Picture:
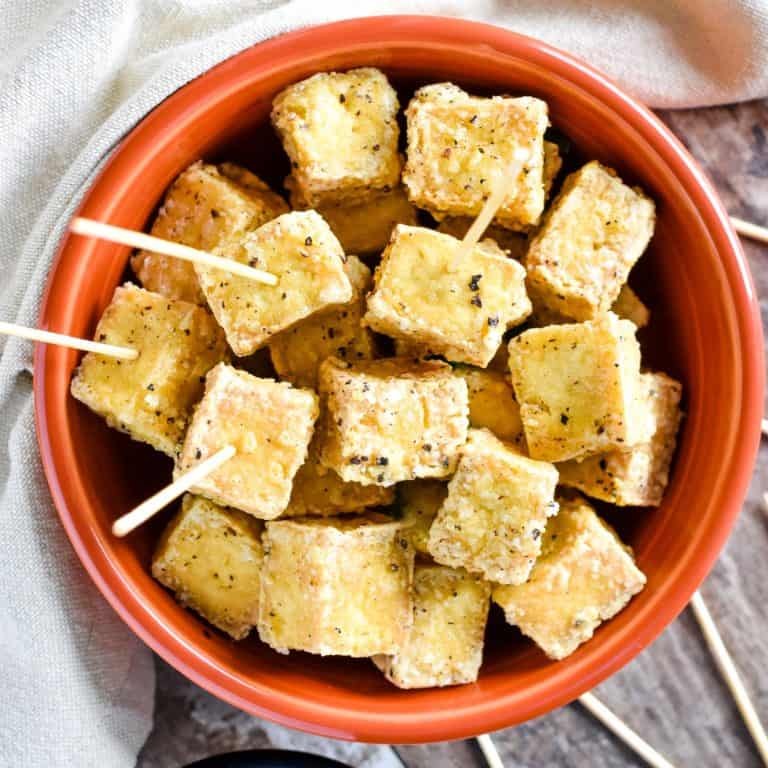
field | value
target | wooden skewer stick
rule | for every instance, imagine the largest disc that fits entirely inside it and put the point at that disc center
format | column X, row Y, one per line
column 764, row 427
column 91, row 228
column 139, row 515
column 490, row 753
column 48, row 337
column 730, row 674
column 501, row 191
column 620, row 729
column 750, row 230
column 765, row 502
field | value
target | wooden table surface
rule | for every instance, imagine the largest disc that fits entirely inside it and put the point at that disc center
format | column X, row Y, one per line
column 671, row 694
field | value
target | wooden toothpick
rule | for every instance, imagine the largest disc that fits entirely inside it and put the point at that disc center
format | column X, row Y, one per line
column 750, row 230
column 147, row 509
column 490, row 753
column 764, row 427
column 91, row 228
column 62, row 340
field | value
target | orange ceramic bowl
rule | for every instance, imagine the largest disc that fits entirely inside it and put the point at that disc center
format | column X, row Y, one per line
column 705, row 330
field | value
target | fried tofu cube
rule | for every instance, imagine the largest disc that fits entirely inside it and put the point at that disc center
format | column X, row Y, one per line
column 392, row 420
column 150, row 398
column 459, row 146
column 445, row 644
column 364, row 226
column 595, row 231
column 204, row 207
column 297, row 353
column 210, row 557
column 270, row 425
column 553, row 162
column 638, row 476
column 305, row 256
column 338, row 586
column 492, row 404
column 584, row 576
column 497, row 507
column 578, row 386
column 419, row 501
column 457, row 310
column 629, row 306
column 340, row 131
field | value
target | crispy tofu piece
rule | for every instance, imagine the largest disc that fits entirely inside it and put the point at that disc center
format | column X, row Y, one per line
column 419, row 501
column 269, row 423
column 204, row 207
column 297, row 352
column 300, row 249
column 392, row 420
column 512, row 243
column 584, row 576
column 337, row 586
column 150, row 398
column 459, row 145
column 445, row 644
column 340, row 131
column 578, row 387
column 497, row 507
column 457, row 310
column 638, row 476
column 363, row 227
column 553, row 162
column 595, row 231
column 210, row 557
column 629, row 306
column 492, row 404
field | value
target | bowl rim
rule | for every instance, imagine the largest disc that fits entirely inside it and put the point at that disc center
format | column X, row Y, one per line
column 561, row 687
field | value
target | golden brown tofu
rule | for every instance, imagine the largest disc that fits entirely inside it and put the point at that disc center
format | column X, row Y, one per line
column 497, row 507
column 297, row 353
column 335, row 586
column 340, row 131
column 460, row 145
column 305, row 256
column 392, row 420
column 584, row 576
column 638, row 476
column 204, row 207
column 492, row 404
column 445, row 644
column 595, row 231
column 419, row 501
column 629, row 306
column 150, row 398
column 552, row 165
column 210, row 557
column 578, row 387
column 457, row 310
column 512, row 243
column 270, row 425
column 363, row 227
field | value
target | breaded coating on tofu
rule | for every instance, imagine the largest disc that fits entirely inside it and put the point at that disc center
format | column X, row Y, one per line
column 629, row 306
column 419, row 501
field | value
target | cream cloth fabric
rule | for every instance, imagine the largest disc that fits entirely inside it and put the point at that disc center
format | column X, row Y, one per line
column 75, row 76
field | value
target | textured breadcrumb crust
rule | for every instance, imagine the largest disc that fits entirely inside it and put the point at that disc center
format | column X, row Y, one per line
column 210, row 557
column 150, row 398
column 269, row 423
column 497, row 507
column 584, row 576
column 204, row 207
column 578, row 388
column 297, row 352
column 458, row 310
column 594, row 232
column 308, row 261
column 459, row 146
column 335, row 586
column 392, row 420
column 340, row 132
column 418, row 502
column 638, row 476
column 445, row 644
column 629, row 306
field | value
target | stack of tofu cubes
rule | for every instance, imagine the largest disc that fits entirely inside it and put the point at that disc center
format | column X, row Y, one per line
column 377, row 503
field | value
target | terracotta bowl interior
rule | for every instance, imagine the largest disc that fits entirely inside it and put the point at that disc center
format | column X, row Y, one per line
column 702, row 332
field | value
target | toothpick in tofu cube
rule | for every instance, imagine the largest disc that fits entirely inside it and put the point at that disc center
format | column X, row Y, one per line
column 211, row 557
column 512, row 243
column 497, row 507
column 150, row 398
column 584, row 576
column 269, row 423
column 419, row 501
column 337, row 586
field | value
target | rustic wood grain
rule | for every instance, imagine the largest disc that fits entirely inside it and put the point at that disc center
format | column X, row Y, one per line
column 671, row 694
